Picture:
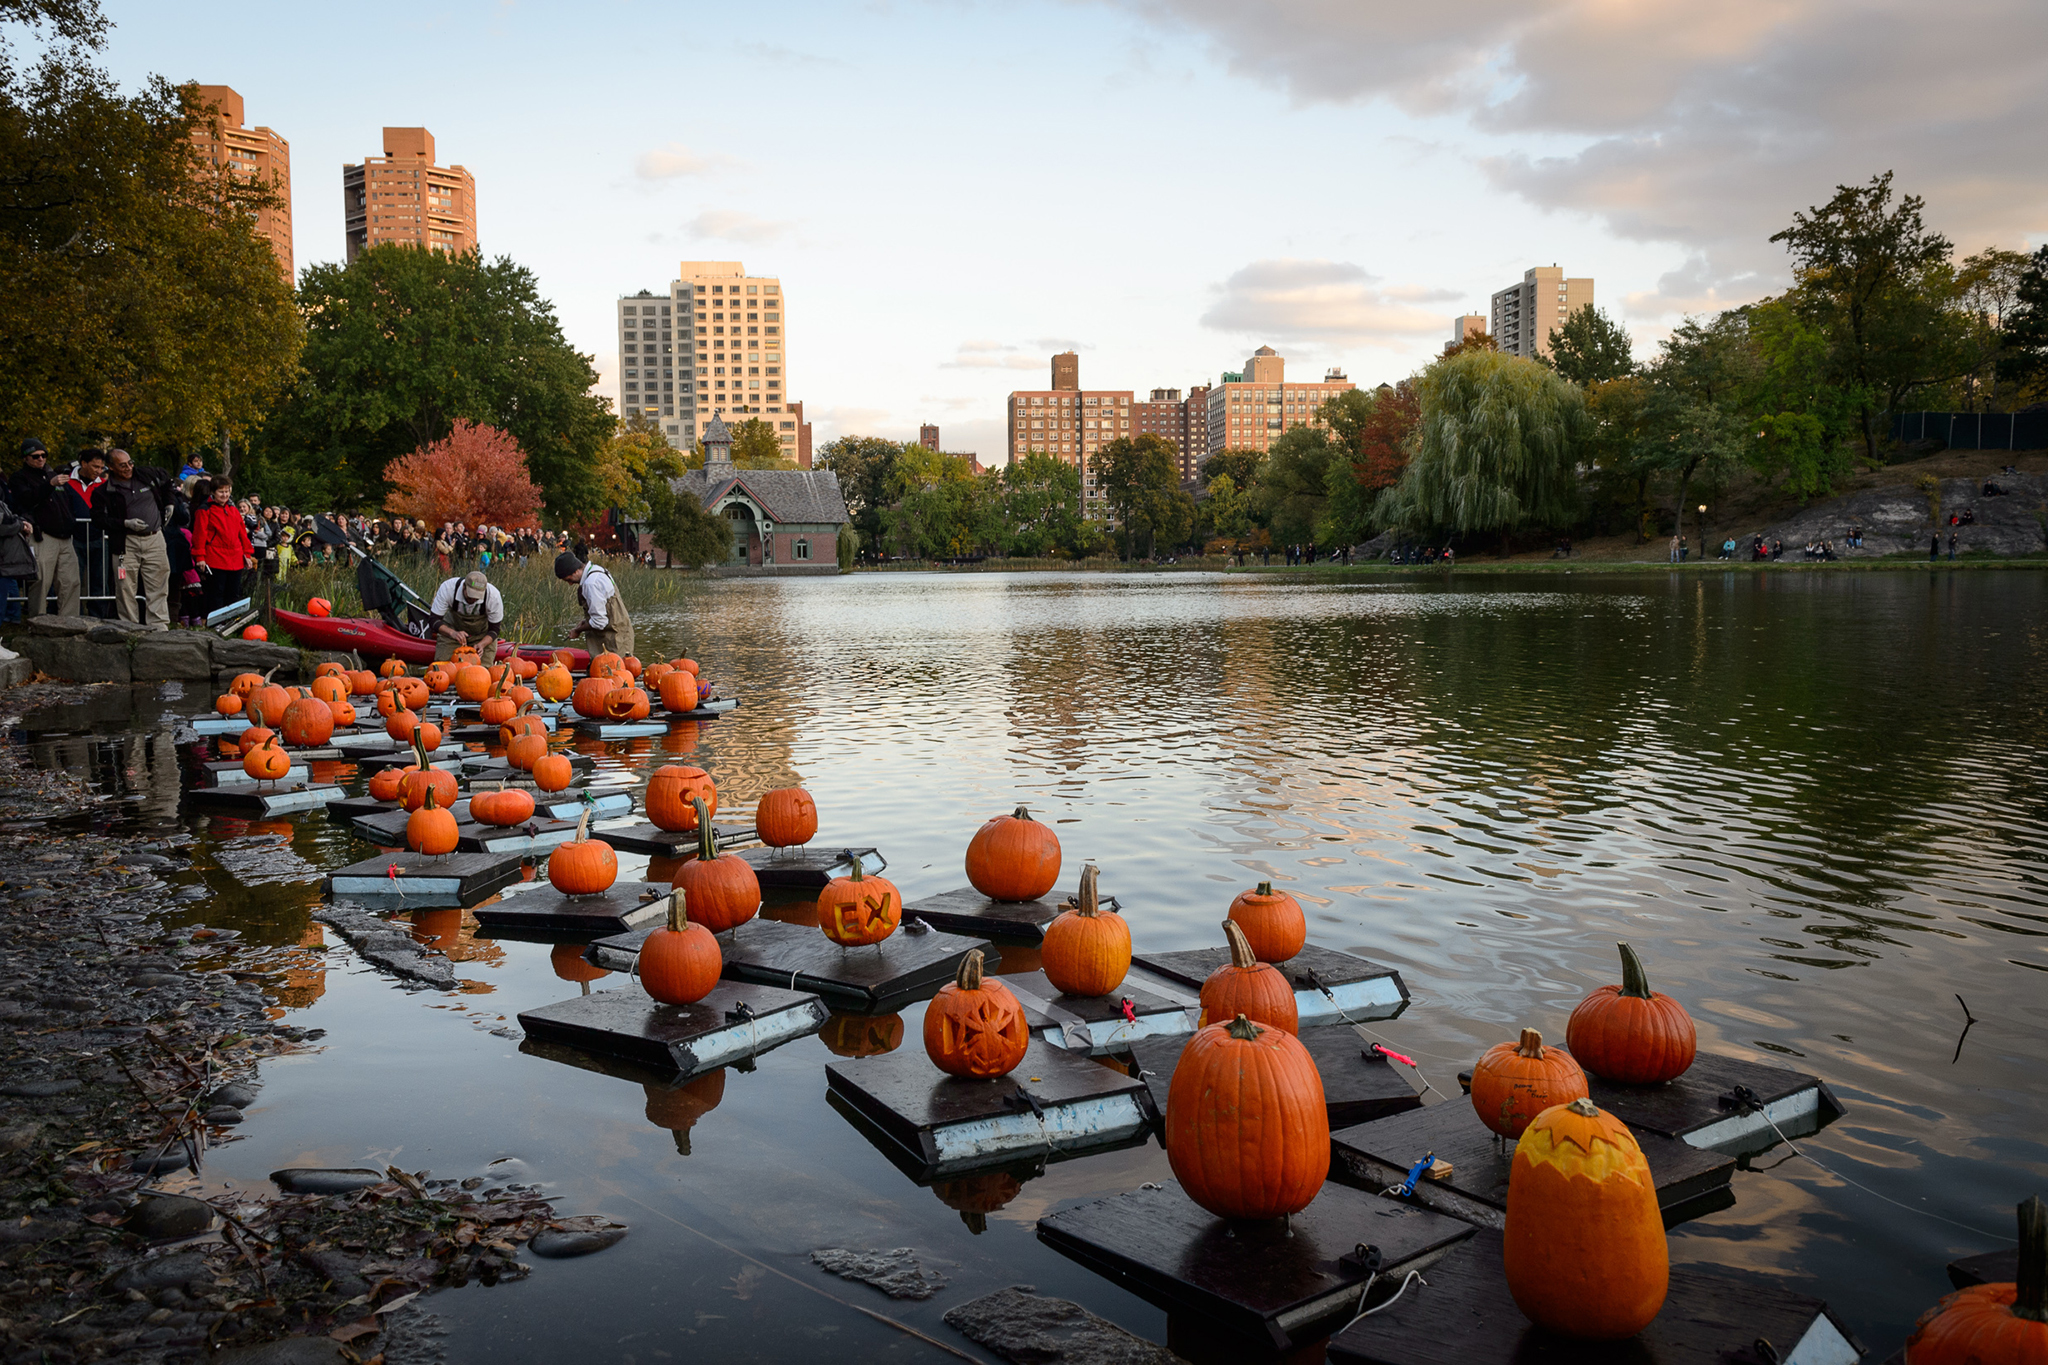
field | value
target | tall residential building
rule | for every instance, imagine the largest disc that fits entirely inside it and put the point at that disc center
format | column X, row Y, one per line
column 1466, row 326
column 1069, row 422
column 404, row 197
column 712, row 345
column 1183, row 421
column 252, row 154
column 928, row 436
column 1066, row 371
column 1525, row 314
column 1248, row 411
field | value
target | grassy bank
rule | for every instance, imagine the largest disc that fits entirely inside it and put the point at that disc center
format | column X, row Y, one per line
column 538, row 606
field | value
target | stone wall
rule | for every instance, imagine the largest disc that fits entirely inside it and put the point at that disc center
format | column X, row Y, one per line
column 87, row 649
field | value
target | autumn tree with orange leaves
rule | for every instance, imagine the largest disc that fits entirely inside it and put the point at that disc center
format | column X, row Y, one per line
column 476, row 475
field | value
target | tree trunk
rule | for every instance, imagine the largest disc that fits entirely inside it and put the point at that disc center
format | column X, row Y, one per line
column 1684, row 488
column 227, row 456
column 1869, row 439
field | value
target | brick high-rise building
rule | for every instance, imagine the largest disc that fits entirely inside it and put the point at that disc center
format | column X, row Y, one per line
column 795, row 421
column 1069, row 422
column 252, row 154
column 1247, row 411
column 1066, row 371
column 1525, row 314
column 928, row 436
column 404, row 197
column 714, row 344
column 1183, row 421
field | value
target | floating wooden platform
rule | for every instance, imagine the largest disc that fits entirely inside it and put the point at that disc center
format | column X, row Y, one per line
column 1358, row 1086
column 647, row 838
column 230, row 773
column 710, row 710
column 213, row 723
column 1379, row 1153
column 1993, row 1267
column 967, row 911
column 733, row 1023
column 621, row 729
column 477, row 732
column 405, row 758
column 1097, row 1023
column 542, row 832
column 347, row 810
column 810, row 867
column 457, row 879
column 543, row 912
column 1710, row 1317
column 1328, row 985
column 546, row 710
column 1281, row 1283
column 602, row 803
column 485, row 767
column 947, row 1124
column 901, row 968
column 280, row 799
column 1701, row 1108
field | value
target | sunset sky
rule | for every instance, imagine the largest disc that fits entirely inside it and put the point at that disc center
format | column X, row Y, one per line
column 953, row 191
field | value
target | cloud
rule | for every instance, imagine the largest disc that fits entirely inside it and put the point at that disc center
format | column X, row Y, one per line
column 667, row 163
column 734, row 226
column 999, row 355
column 1328, row 302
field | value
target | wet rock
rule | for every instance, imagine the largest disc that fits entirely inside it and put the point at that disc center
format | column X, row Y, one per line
column 233, row 1093
column 35, row 1230
column 177, row 1159
column 173, row 654
column 73, row 1004
column 896, row 1273
column 77, row 659
column 165, row 1271
column 18, row 1136
column 254, row 656
column 388, row 948
column 151, row 980
column 222, row 1116
column 289, row 1351
column 165, row 1217
column 61, row 625
column 1018, row 1325
column 41, row 1089
column 560, row 1245
column 338, row 1268
column 190, row 893
column 325, row 1179
column 144, row 860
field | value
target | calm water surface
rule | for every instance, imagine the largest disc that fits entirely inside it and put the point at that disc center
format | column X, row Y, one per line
column 1814, row 802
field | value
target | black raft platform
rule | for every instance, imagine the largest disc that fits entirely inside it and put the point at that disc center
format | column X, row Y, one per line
column 267, row 799
column 1703, row 1108
column 735, row 1022
column 810, row 868
column 668, row 843
column 1054, row 1104
column 1328, row 985
column 1710, row 1317
column 1097, row 1023
column 1358, row 1086
column 1283, row 1284
column 967, row 911
column 544, row 913
column 415, row 879
column 1379, row 1153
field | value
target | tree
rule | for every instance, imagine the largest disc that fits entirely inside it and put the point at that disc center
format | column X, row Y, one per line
column 1293, row 498
column 1693, row 426
column 754, row 446
column 401, row 343
column 1477, row 341
column 1590, row 348
column 1376, row 429
column 1803, row 420
column 1041, row 506
column 866, row 466
column 622, row 467
column 1229, row 509
column 934, row 505
column 1243, row 467
column 1496, row 449
column 476, row 475
column 1987, row 290
column 2024, row 355
column 1140, row 477
column 681, row 527
column 1618, row 447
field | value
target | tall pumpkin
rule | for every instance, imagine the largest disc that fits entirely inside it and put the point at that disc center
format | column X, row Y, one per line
column 1272, row 922
column 1087, row 950
column 1585, row 1250
column 1244, row 985
column 786, row 817
column 584, row 866
column 672, row 794
column 723, row 890
column 1630, row 1033
column 856, row 910
column 678, row 690
column 679, row 962
column 1247, row 1133
column 975, row 1027
column 1993, row 1324
column 1514, row 1082
column 431, row 829
column 1014, row 858
column 525, row 750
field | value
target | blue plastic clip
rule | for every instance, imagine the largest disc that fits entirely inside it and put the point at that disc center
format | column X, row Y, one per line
column 1415, row 1173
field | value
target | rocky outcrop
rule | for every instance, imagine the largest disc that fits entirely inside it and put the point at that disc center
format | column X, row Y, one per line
column 1895, row 520
column 87, row 649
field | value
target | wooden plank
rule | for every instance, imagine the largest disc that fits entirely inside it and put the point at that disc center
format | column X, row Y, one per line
column 647, row 838
column 1377, row 1154
column 267, row 800
column 811, row 867
column 456, row 879
column 1097, row 1024
column 1328, row 984
column 967, row 911
column 1357, row 1086
column 734, row 1023
column 1992, row 1267
column 1279, row 1282
column 1710, row 1317
column 542, row 910
column 948, row 1124
column 626, row 729
column 231, row 773
column 442, row 757
column 485, row 767
column 1700, row 1107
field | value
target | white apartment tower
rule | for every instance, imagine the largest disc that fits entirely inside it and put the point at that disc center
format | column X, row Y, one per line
column 713, row 344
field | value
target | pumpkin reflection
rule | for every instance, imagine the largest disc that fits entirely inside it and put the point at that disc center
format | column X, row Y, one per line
column 306, row 982
column 975, row 1197
column 437, row 928
column 681, row 738
column 862, row 1035
column 569, row 963
column 678, row 1110
column 662, row 868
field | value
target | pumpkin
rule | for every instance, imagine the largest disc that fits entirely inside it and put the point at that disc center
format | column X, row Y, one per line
column 332, row 669
column 584, row 866
column 328, row 687
column 588, row 698
column 497, row 710
column 1013, row 858
column 401, row 725
column 505, row 806
column 387, row 701
column 267, row 762
column 423, row 779
column 519, row 695
column 1584, row 1247
column 437, row 678
column 571, row 965
column 1244, row 985
column 319, row 606
column 255, row 633
column 269, row 701
column 411, row 692
column 606, row 665
column 1514, row 1082
column 1993, row 1324
column 1630, row 1033
column 564, row 657
column 526, row 750
column 361, row 683
column 554, row 683
column 654, row 673
column 1247, row 1133
column 553, row 772
column 862, row 1035
column 344, row 714
column 431, row 828
column 626, row 703
column 857, row 909
column 722, row 889
column 253, row 736
column 679, row 1110
column 974, row 1027
column 632, row 662
column 679, row 962
column 227, row 704
column 512, row 727
column 786, row 818
column 472, row 682
column 428, row 734
column 385, row 782
column 1087, row 950
column 1272, row 921
column 687, row 665
column 524, row 668
column 245, row 683
column 391, row 668
column 672, row 794
column 306, row 722
column 465, row 654
column 678, row 691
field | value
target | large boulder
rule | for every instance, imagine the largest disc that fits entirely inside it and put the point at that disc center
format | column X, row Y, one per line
column 61, row 625
column 182, row 654
column 253, row 656
column 76, row 659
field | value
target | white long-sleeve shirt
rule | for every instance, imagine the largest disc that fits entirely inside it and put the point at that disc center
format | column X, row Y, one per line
column 596, row 589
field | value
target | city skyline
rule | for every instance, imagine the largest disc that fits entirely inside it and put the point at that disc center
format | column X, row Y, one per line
column 1073, row 204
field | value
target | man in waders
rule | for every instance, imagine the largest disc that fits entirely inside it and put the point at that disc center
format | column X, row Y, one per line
column 606, row 627
column 468, row 611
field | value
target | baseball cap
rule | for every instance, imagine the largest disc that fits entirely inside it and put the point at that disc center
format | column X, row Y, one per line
column 476, row 583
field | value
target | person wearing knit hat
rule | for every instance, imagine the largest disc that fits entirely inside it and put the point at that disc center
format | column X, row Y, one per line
column 467, row 610
column 606, row 628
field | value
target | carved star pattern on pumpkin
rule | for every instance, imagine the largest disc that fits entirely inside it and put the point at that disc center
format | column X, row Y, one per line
column 984, row 1036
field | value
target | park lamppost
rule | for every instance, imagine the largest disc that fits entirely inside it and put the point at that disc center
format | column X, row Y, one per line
column 1703, row 530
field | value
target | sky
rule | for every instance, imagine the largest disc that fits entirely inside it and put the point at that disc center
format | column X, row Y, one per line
column 951, row 191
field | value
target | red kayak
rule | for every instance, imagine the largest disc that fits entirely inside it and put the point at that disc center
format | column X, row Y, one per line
column 376, row 641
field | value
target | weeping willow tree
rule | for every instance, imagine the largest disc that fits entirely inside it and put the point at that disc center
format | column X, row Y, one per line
column 1496, row 449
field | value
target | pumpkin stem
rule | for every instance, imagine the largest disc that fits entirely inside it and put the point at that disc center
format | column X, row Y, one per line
column 1243, row 1029
column 678, row 910
column 1584, row 1108
column 430, row 803
column 857, row 875
column 419, row 746
column 1531, row 1044
column 1090, row 904
column 2032, row 1302
column 583, row 825
column 1241, row 955
column 1635, row 982
column 1022, row 814
column 707, row 843
column 1265, row 889
column 968, row 978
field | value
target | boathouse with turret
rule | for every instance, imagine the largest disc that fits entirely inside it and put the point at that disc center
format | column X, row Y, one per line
column 784, row 520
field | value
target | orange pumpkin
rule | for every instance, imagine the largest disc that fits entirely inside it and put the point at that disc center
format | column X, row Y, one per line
column 428, row 734
column 654, row 673
column 1247, row 1133
column 606, row 665
column 584, row 866
column 679, row 962
column 1993, row 1324
column 555, row 683
column 786, row 818
column 505, row 806
column 420, row 783
column 269, row 701
column 472, row 682
column 974, row 1027
column 1014, row 858
column 524, row 668
column 632, row 662
column 1244, row 985
column 678, row 691
column 1087, row 950
column 412, row 693
column 525, row 750
column 722, row 889
column 332, row 669
column 465, row 654
column 255, row 633
column 1514, row 1082
column 1630, row 1033
column 519, row 695
column 401, row 725
column 1584, row 1247
column 857, row 909
column 245, row 683
column 497, row 710
column 267, row 762
column 672, row 794
column 437, row 678
column 387, row 701
column 553, row 773
column 626, row 703
column 253, row 736
column 344, row 714
column 385, row 782
column 306, row 722
column 1272, row 921
column 687, row 665
column 514, row 726
column 431, row 828
column 330, row 687
column 391, row 668
column 588, row 698
column 227, row 704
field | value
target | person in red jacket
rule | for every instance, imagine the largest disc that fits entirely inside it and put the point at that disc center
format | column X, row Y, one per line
column 221, row 549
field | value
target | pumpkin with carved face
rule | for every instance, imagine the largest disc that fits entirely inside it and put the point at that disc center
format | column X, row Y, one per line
column 975, row 1027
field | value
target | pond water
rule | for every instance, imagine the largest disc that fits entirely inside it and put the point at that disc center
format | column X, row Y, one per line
column 1814, row 802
